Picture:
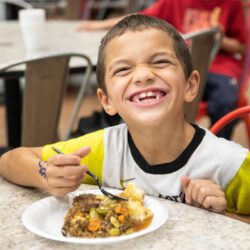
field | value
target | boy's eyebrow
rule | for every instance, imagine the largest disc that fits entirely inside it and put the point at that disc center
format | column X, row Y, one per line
column 170, row 54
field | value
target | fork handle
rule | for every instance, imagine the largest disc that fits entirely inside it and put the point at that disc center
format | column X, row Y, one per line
column 94, row 177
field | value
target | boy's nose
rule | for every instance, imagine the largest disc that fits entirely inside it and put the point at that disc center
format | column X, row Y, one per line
column 143, row 75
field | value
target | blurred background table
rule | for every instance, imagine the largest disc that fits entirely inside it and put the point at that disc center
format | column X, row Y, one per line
column 59, row 36
column 187, row 227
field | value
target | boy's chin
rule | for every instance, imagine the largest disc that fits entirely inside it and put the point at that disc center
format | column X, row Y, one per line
column 150, row 122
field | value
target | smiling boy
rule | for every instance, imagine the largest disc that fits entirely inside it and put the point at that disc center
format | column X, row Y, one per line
column 145, row 74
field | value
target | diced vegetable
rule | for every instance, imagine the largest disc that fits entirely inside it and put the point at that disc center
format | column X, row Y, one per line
column 114, row 232
column 94, row 225
column 114, row 222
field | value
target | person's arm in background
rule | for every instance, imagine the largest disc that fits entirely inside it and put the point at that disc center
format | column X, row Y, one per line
column 156, row 9
column 99, row 24
column 232, row 45
column 234, row 40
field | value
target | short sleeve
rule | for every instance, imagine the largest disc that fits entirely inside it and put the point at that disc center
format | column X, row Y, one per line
column 94, row 160
column 238, row 190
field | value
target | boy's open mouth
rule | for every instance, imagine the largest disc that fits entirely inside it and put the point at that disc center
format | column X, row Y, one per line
column 147, row 96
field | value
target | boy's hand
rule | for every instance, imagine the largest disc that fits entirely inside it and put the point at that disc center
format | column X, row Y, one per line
column 64, row 172
column 204, row 193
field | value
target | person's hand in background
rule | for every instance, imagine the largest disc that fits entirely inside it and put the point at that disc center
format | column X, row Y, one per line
column 92, row 25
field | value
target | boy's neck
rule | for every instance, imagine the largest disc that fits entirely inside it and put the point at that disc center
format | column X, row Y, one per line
column 163, row 145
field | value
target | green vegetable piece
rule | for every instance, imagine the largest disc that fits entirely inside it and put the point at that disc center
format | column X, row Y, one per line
column 130, row 231
column 93, row 214
column 114, row 222
column 102, row 210
column 114, row 232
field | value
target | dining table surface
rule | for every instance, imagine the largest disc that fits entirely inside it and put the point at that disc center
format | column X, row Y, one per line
column 59, row 36
column 187, row 227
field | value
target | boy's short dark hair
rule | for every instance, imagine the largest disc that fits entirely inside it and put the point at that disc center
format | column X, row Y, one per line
column 139, row 22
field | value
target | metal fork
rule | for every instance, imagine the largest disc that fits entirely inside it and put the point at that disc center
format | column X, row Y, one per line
column 105, row 192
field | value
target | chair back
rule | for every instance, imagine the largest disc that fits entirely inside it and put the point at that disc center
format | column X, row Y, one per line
column 9, row 8
column 18, row 3
column 45, row 87
column 79, row 9
column 225, row 120
column 204, row 45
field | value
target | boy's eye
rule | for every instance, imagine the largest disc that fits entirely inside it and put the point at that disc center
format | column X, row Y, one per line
column 121, row 70
column 161, row 61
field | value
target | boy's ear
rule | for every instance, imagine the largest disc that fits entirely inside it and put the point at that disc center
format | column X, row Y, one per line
column 106, row 102
column 192, row 86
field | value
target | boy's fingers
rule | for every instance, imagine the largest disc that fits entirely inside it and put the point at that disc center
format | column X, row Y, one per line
column 82, row 152
column 209, row 192
column 60, row 192
column 215, row 204
column 65, row 171
column 185, row 180
column 69, row 159
column 65, row 182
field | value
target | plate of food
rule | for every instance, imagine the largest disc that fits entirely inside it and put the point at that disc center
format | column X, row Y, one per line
column 89, row 217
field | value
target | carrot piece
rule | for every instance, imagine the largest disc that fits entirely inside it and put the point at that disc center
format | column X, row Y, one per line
column 118, row 209
column 94, row 225
column 121, row 218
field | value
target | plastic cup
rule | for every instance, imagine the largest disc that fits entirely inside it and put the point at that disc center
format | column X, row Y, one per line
column 32, row 22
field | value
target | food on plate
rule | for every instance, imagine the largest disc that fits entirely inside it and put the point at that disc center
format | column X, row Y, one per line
column 95, row 216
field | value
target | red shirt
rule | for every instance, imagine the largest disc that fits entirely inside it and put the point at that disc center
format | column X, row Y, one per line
column 190, row 15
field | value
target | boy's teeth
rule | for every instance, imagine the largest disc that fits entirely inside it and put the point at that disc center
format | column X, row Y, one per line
column 150, row 93
column 143, row 95
column 146, row 94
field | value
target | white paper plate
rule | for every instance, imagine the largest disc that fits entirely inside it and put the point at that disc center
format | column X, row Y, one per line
column 46, row 216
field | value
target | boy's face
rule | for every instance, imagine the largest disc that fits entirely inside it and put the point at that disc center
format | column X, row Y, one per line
column 145, row 81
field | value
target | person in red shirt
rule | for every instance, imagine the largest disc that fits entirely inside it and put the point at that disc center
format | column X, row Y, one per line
column 225, row 72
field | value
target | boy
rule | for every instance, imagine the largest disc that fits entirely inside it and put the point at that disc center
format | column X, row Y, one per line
column 147, row 84
column 226, row 70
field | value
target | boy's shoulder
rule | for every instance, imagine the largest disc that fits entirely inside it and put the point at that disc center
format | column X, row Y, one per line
column 222, row 148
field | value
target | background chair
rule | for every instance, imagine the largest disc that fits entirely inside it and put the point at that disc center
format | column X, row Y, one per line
column 203, row 45
column 242, row 99
column 9, row 8
column 242, row 112
column 45, row 87
column 20, row 3
column 100, row 9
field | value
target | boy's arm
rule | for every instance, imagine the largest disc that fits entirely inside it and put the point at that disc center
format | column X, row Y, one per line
column 60, row 175
column 21, row 167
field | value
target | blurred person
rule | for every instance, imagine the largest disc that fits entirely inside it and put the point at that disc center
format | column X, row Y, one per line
column 225, row 72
